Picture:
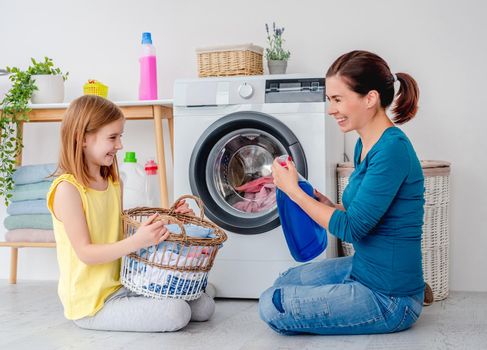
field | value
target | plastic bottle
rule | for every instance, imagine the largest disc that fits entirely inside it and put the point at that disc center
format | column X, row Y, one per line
column 133, row 177
column 148, row 69
column 305, row 238
column 152, row 184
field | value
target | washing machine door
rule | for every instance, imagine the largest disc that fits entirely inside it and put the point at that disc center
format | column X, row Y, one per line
column 230, row 170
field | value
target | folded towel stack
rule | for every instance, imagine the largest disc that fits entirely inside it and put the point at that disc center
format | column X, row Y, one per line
column 29, row 219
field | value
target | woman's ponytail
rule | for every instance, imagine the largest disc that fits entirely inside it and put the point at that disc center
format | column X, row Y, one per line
column 406, row 104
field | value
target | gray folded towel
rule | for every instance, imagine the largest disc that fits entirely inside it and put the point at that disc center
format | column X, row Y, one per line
column 39, row 221
column 33, row 191
column 37, row 206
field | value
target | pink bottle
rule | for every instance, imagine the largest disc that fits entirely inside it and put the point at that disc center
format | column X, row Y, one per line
column 148, row 69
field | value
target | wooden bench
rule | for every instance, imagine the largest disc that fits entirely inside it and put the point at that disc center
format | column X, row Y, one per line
column 133, row 110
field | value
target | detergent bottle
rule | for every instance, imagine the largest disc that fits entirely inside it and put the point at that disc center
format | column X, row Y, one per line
column 305, row 238
column 133, row 178
column 148, row 69
column 152, row 189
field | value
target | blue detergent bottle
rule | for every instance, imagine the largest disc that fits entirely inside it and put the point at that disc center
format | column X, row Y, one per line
column 305, row 238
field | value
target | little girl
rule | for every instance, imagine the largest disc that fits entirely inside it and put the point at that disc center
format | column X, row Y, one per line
column 86, row 204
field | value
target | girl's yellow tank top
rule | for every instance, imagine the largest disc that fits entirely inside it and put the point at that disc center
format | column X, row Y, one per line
column 83, row 288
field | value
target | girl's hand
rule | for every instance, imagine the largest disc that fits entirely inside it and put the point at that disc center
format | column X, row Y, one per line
column 285, row 179
column 150, row 232
column 320, row 197
column 183, row 208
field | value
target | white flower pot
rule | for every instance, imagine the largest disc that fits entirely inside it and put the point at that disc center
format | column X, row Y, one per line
column 276, row 66
column 50, row 89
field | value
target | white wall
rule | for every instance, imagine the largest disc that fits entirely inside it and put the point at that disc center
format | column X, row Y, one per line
column 441, row 43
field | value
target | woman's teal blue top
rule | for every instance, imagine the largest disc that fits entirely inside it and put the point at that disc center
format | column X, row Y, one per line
column 384, row 216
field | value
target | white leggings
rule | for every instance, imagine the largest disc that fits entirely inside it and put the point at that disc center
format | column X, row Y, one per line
column 128, row 311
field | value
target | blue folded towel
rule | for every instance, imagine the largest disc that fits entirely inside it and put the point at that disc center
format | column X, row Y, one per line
column 39, row 221
column 33, row 191
column 33, row 173
column 38, row 206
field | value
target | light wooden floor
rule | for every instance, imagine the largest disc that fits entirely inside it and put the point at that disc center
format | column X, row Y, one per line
column 31, row 318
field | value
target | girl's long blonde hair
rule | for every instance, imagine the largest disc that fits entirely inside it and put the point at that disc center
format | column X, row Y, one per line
column 86, row 114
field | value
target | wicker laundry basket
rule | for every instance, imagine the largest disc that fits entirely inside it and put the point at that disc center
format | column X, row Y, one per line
column 179, row 266
column 435, row 238
column 230, row 60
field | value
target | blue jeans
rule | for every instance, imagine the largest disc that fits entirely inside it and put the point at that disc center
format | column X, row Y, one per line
column 321, row 298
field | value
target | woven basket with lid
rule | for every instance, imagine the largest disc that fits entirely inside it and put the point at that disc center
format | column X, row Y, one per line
column 232, row 60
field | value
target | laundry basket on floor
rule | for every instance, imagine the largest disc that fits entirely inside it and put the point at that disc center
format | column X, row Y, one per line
column 435, row 238
column 177, row 267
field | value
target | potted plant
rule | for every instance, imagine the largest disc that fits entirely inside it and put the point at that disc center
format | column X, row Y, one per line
column 49, row 82
column 276, row 55
column 14, row 109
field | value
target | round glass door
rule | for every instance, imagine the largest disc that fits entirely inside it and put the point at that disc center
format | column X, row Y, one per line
column 238, row 172
column 230, row 170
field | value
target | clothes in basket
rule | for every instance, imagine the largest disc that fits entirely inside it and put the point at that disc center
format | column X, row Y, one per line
column 173, row 254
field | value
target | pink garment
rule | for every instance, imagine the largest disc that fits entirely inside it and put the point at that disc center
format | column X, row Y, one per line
column 255, row 185
column 29, row 235
column 259, row 201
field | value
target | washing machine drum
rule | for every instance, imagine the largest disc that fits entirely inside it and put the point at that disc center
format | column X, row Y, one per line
column 230, row 170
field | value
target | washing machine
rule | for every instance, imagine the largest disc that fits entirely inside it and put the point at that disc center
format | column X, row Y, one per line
column 227, row 132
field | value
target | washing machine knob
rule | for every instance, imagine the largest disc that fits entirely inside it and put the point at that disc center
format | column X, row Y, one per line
column 245, row 90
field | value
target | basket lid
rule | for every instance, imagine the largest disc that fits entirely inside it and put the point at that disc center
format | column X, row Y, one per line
column 435, row 167
column 241, row 47
column 427, row 164
column 430, row 168
column 345, row 169
column 345, row 165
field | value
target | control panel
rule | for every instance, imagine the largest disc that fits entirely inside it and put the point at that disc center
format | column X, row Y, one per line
column 295, row 90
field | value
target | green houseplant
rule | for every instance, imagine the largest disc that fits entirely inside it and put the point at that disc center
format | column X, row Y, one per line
column 14, row 111
column 276, row 55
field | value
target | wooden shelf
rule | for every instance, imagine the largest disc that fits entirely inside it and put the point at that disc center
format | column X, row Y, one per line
column 28, row 244
column 141, row 110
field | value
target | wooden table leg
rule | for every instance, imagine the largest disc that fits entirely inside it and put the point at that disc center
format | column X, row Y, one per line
column 13, row 265
column 20, row 134
column 161, row 158
column 171, row 133
column 170, row 123
column 14, row 252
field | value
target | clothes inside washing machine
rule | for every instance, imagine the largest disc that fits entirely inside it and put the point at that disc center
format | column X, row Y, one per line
column 241, row 172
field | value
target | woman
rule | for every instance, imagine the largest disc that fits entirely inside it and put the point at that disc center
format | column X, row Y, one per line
column 379, row 289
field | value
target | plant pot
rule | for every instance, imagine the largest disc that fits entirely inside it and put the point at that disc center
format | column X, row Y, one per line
column 277, row 67
column 50, row 89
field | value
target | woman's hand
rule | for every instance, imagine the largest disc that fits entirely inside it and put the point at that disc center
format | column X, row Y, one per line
column 150, row 232
column 320, row 197
column 285, row 179
column 183, row 208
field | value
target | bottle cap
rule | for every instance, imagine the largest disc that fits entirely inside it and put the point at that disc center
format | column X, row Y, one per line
column 130, row 157
column 150, row 167
column 282, row 159
column 146, row 38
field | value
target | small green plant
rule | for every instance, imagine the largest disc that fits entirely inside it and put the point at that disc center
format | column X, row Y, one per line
column 275, row 51
column 14, row 111
column 46, row 67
